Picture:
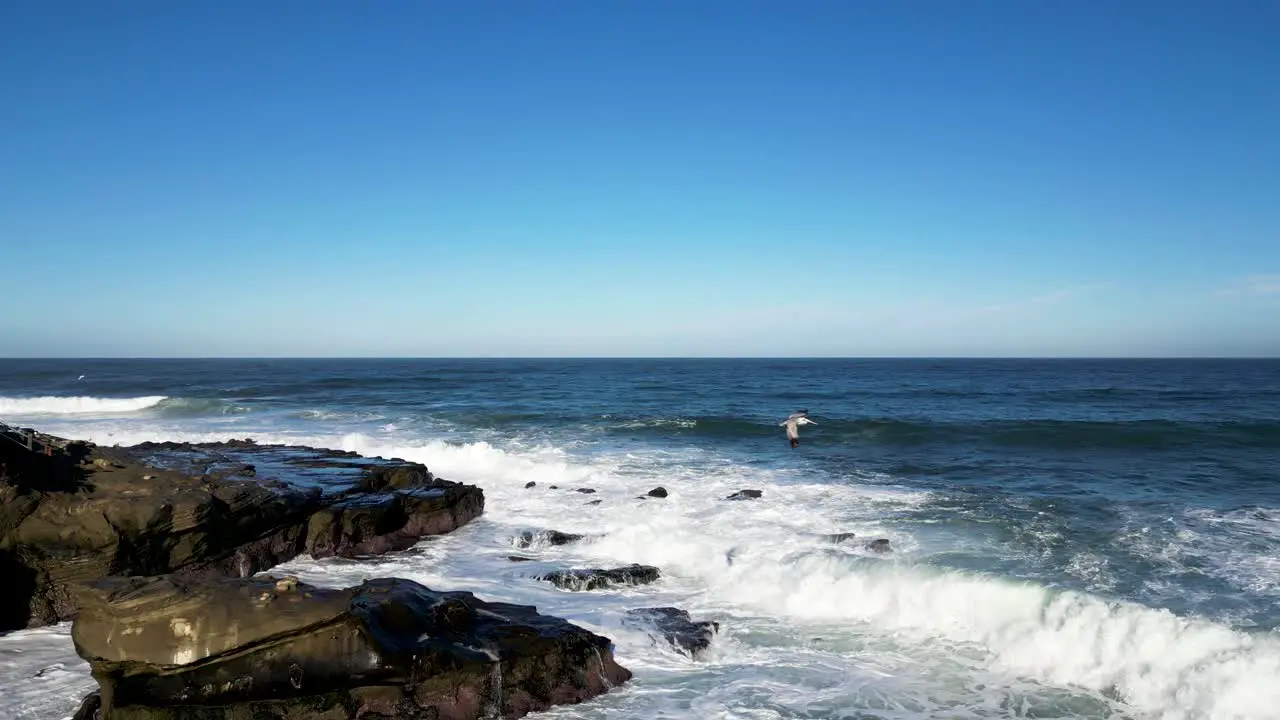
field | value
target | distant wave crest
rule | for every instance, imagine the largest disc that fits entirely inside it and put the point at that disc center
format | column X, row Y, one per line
column 152, row 404
column 53, row 405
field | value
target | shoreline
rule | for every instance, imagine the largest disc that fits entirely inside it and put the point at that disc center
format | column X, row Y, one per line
column 286, row 504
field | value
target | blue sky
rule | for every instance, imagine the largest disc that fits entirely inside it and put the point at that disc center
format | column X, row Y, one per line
column 640, row 178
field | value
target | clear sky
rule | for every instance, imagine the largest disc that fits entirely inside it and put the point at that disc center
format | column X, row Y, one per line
column 880, row 177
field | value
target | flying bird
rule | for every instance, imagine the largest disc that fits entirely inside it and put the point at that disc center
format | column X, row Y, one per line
column 793, row 423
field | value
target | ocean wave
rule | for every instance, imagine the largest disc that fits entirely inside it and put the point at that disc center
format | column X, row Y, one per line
column 1047, row 434
column 766, row 558
column 198, row 407
column 171, row 407
column 81, row 405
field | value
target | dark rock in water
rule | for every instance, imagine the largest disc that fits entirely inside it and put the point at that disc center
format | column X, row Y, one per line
column 396, row 477
column 586, row 491
column 529, row 538
column 554, row 487
column 375, row 523
column 746, row 495
column 839, row 537
column 881, row 546
column 89, row 707
column 529, row 484
column 595, row 502
column 272, row 648
column 596, row 578
column 83, row 512
column 519, row 558
column 676, row 627
column 658, row 492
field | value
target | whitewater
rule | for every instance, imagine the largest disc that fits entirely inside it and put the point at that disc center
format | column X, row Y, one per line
column 809, row 628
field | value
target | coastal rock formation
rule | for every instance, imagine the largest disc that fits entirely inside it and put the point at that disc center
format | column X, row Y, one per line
column 529, row 538
column 746, row 495
column 273, row 648
column 72, row 512
column 879, row 546
column 675, row 626
column 597, row 578
column 376, row 523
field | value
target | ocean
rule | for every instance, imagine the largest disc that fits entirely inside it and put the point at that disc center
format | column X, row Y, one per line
column 1071, row 538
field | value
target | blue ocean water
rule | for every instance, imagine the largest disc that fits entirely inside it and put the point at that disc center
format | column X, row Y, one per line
column 1072, row 538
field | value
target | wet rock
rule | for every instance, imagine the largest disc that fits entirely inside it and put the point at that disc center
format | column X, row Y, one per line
column 554, row 487
column 586, row 491
column 395, row 477
column 376, row 523
column 839, row 537
column 675, row 626
column 166, row 649
column 529, row 538
column 879, row 546
column 595, row 502
column 658, row 492
column 519, row 558
column 746, row 495
column 530, row 484
column 597, row 578
column 89, row 708
column 85, row 512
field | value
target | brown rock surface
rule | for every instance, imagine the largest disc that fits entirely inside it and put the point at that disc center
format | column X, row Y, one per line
column 81, row 512
column 265, row 648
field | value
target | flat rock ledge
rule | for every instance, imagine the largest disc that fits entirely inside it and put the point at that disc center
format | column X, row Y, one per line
column 273, row 648
column 72, row 512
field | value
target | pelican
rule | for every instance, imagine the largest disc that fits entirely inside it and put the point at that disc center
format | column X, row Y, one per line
column 793, row 423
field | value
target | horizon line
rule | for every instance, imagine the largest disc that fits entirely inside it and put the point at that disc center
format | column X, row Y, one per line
column 643, row 357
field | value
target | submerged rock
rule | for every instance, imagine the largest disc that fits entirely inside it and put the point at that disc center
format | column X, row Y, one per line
column 658, row 492
column 676, row 627
column 375, row 523
column 529, row 538
column 880, row 546
column 839, row 537
column 163, row 649
column 89, row 707
column 586, row 491
column 530, row 484
column 82, row 512
column 597, row 578
column 746, row 495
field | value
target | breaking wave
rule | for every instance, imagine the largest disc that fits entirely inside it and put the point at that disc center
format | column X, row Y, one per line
column 765, row 562
column 83, row 405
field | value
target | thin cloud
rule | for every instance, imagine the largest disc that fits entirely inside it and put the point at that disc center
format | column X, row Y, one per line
column 1053, row 297
column 1253, row 286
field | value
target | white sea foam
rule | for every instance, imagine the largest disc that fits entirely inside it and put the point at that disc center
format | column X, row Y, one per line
column 54, row 405
column 810, row 628
column 41, row 677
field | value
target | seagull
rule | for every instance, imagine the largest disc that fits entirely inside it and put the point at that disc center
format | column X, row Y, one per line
column 793, row 423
